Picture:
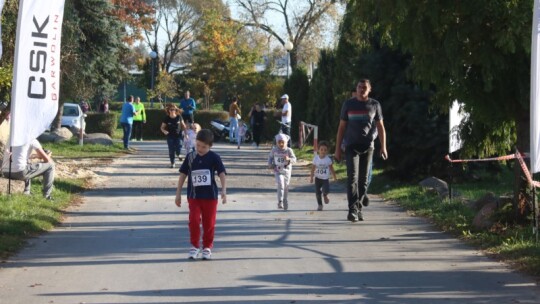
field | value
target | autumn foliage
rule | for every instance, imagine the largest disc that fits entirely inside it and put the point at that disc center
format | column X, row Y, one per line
column 137, row 15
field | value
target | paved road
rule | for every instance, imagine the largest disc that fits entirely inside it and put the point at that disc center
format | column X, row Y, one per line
column 128, row 244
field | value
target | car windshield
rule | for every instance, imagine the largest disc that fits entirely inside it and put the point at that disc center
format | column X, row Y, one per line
column 71, row 111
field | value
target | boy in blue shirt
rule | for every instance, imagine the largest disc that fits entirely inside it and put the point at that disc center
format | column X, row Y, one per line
column 201, row 166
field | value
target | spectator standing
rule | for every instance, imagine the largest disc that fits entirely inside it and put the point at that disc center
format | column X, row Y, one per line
column 138, row 120
column 234, row 115
column 126, row 120
column 104, row 106
column 85, row 107
column 257, row 118
column 188, row 106
column 286, row 116
column 358, row 115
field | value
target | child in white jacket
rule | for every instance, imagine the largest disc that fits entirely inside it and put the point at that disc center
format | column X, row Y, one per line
column 280, row 161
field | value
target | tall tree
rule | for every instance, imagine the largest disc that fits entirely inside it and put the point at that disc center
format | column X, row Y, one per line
column 136, row 15
column 94, row 48
column 477, row 52
column 306, row 23
column 225, row 54
column 9, row 28
column 173, row 33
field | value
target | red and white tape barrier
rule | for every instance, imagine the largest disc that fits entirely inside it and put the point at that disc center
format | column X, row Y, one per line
column 516, row 155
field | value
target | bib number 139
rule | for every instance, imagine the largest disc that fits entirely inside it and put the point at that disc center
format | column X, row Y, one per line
column 200, row 178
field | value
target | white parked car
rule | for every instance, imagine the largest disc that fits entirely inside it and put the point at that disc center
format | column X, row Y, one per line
column 72, row 116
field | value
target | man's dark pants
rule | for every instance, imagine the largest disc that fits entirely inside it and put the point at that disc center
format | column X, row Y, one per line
column 187, row 117
column 286, row 129
column 358, row 159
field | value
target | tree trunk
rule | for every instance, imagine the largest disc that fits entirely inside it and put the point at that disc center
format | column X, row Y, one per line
column 520, row 203
column 293, row 59
column 56, row 123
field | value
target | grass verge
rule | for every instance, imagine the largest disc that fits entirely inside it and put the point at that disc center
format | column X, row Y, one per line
column 72, row 149
column 24, row 216
column 505, row 241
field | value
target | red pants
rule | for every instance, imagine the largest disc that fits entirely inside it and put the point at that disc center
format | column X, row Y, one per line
column 205, row 210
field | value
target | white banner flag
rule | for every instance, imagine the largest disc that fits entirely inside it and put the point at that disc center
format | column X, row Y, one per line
column 535, row 91
column 457, row 115
column 36, row 72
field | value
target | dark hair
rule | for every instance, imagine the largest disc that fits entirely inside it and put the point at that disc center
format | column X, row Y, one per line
column 206, row 136
column 365, row 80
column 323, row 143
column 235, row 99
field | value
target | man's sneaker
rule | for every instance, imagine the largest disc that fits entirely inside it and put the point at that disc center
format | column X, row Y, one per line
column 26, row 192
column 352, row 216
column 319, row 208
column 180, row 157
column 285, row 205
column 280, row 205
column 360, row 216
column 326, row 199
column 365, row 201
column 173, row 165
column 193, row 253
column 206, row 254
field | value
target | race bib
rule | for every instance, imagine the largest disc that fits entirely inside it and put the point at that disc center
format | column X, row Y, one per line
column 322, row 172
column 279, row 160
column 201, row 178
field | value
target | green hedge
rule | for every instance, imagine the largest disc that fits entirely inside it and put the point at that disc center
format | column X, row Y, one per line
column 102, row 122
column 99, row 122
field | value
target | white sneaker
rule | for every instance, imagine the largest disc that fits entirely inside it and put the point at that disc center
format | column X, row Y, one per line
column 193, row 253
column 173, row 165
column 206, row 254
column 280, row 205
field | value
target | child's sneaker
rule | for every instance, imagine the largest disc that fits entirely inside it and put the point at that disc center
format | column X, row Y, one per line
column 206, row 254
column 285, row 205
column 193, row 253
column 280, row 205
column 319, row 208
column 326, row 199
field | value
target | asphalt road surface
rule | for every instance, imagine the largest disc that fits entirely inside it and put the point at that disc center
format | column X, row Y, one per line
column 128, row 243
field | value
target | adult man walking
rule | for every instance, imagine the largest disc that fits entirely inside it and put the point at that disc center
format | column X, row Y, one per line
column 286, row 116
column 234, row 113
column 358, row 115
column 188, row 106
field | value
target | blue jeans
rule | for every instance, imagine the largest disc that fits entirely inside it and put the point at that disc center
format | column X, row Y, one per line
column 358, row 161
column 175, row 147
column 233, row 125
column 127, row 133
